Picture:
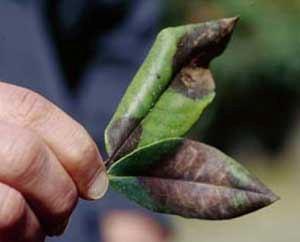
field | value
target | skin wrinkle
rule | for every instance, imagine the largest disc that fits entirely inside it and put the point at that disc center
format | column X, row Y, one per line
column 26, row 151
column 28, row 166
column 11, row 209
column 22, row 220
column 41, row 158
column 40, row 148
column 27, row 107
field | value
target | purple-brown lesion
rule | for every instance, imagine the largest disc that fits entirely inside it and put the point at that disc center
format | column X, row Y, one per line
column 204, row 43
column 194, row 82
column 124, row 137
column 194, row 161
column 198, row 200
column 197, row 181
column 196, row 49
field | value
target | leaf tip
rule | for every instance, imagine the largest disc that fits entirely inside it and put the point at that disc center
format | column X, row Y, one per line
column 227, row 25
column 273, row 197
column 231, row 22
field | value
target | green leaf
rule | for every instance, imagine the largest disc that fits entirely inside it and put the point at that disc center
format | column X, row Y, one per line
column 190, row 179
column 171, row 89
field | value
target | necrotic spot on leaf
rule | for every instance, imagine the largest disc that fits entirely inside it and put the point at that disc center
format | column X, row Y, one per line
column 204, row 43
column 194, row 82
column 119, row 130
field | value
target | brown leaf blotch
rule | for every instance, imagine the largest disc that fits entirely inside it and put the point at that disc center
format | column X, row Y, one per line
column 194, row 82
column 198, row 162
column 119, row 137
column 204, row 201
column 204, row 43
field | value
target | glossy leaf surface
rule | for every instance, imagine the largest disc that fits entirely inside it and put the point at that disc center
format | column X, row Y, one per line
column 190, row 179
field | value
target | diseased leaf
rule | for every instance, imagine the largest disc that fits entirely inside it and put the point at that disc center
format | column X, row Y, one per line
column 149, row 162
column 190, row 179
column 171, row 89
column 174, row 113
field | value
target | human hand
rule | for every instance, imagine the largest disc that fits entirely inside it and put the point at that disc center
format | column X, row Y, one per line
column 47, row 161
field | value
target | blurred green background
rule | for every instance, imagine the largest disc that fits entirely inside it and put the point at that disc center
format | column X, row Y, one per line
column 255, row 117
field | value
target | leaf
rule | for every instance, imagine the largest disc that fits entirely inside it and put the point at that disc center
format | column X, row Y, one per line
column 190, row 179
column 171, row 89
column 148, row 162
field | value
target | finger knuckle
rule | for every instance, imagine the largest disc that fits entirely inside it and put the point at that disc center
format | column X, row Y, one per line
column 30, row 106
column 22, row 156
column 82, row 151
column 64, row 205
column 12, row 209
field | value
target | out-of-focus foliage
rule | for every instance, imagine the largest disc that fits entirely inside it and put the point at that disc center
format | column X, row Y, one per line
column 257, row 77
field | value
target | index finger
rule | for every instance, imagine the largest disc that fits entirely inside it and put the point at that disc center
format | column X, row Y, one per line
column 69, row 141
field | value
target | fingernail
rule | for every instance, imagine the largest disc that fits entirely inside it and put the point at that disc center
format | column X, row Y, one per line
column 98, row 187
